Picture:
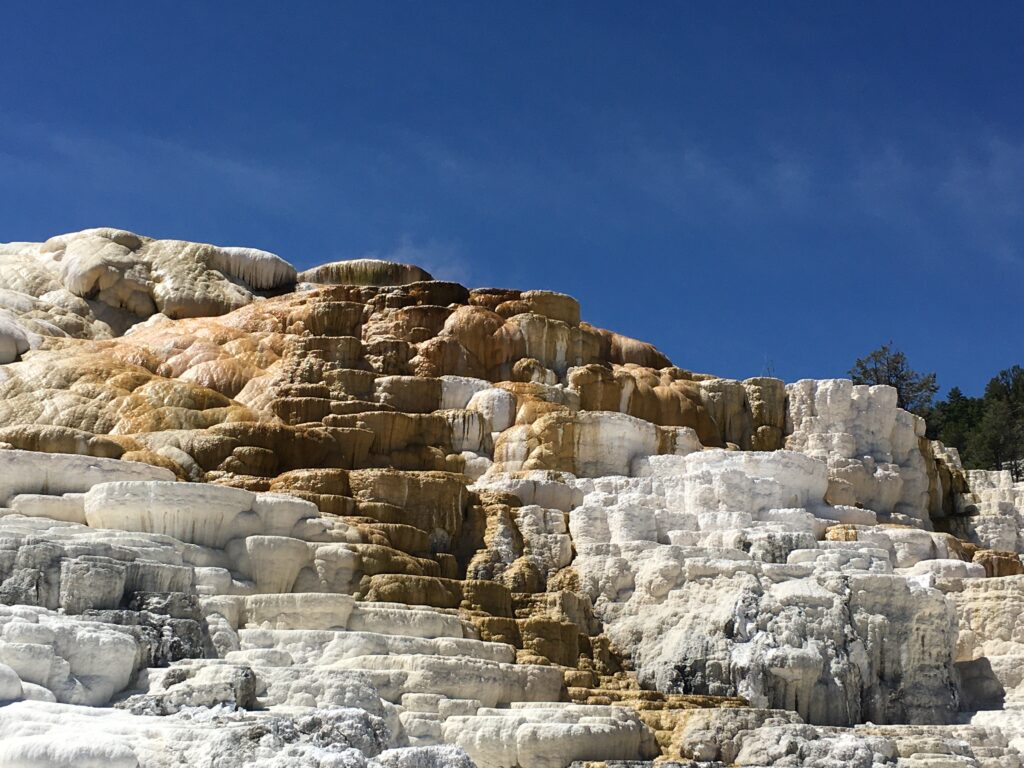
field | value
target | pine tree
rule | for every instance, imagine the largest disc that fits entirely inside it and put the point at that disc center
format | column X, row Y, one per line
column 954, row 421
column 999, row 437
column 886, row 365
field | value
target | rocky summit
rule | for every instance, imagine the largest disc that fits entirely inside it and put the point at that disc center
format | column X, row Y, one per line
column 355, row 516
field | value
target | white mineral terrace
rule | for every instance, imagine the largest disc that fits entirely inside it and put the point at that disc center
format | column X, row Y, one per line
column 398, row 523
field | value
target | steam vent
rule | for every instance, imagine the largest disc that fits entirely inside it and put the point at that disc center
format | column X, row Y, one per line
column 358, row 517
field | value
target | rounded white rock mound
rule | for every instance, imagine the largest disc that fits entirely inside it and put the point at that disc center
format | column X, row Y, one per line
column 10, row 684
column 717, row 480
column 207, row 515
column 260, row 270
column 14, row 340
column 65, row 751
column 55, row 474
column 133, row 277
column 365, row 272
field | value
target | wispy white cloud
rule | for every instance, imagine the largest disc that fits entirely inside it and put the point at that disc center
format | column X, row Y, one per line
column 948, row 191
column 962, row 192
column 790, row 179
column 967, row 196
column 690, row 180
column 443, row 260
column 135, row 164
column 988, row 193
column 683, row 178
column 992, row 183
column 118, row 172
column 140, row 160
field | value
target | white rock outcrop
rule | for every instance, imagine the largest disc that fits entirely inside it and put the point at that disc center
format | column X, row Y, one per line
column 871, row 446
column 999, row 503
column 55, row 474
column 711, row 570
column 121, row 278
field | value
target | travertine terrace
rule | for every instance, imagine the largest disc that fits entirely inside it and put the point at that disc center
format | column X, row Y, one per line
column 355, row 516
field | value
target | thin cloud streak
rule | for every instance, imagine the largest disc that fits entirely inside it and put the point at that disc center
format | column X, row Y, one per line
column 137, row 163
column 443, row 260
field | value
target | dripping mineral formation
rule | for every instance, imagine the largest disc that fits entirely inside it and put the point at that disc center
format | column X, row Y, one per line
column 355, row 516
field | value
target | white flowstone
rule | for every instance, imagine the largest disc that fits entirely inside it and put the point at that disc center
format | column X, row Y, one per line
column 79, row 662
column 258, row 269
column 69, row 508
column 295, row 611
column 711, row 570
column 323, row 647
column 871, row 446
column 10, row 684
column 492, row 682
column 139, row 276
column 496, row 405
column 99, row 738
column 550, row 736
column 609, row 443
column 55, row 474
column 207, row 515
column 457, row 391
column 999, row 523
column 15, row 340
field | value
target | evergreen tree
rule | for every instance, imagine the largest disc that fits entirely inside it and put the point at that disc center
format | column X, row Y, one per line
column 999, row 437
column 1008, row 385
column 988, row 431
column 886, row 365
column 954, row 422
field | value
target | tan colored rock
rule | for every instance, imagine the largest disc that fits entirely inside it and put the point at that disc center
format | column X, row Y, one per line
column 409, row 394
column 96, row 393
column 404, row 438
column 55, row 439
column 435, row 502
column 841, row 533
column 319, row 481
column 413, row 590
column 412, row 324
column 479, row 342
column 472, row 595
column 556, row 306
column 556, row 641
column 997, row 563
column 767, row 401
column 666, row 397
column 375, row 559
column 364, row 272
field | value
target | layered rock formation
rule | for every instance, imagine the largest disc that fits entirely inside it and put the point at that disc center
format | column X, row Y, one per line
column 355, row 516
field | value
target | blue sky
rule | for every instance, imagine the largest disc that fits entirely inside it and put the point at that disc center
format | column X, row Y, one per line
column 749, row 186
